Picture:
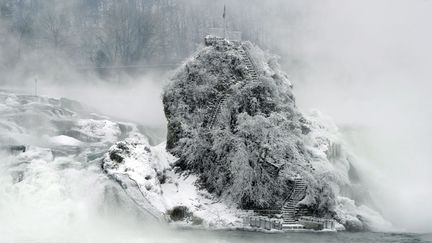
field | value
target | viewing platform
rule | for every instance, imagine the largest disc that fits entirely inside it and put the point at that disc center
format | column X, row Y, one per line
column 290, row 217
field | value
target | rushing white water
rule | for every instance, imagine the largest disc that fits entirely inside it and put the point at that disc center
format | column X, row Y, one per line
column 55, row 191
column 60, row 200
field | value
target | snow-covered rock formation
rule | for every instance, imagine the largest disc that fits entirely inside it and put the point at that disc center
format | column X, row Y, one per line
column 147, row 176
column 233, row 123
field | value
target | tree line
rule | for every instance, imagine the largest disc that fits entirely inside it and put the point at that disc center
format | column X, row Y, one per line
column 109, row 33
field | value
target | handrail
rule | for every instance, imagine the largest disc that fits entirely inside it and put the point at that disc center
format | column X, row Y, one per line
column 313, row 219
column 263, row 222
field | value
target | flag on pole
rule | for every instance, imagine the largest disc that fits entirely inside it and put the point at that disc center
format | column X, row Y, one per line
column 224, row 13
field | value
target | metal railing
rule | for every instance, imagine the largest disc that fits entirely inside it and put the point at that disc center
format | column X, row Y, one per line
column 263, row 222
column 228, row 35
column 324, row 223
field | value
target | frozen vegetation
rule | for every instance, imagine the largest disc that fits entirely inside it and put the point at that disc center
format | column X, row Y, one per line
column 245, row 139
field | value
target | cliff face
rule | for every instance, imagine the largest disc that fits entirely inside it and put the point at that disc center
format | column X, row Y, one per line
column 233, row 122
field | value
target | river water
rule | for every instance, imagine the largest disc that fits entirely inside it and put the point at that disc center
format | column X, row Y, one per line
column 203, row 236
column 342, row 237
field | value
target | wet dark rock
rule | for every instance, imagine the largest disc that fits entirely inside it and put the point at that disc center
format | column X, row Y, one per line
column 179, row 213
column 116, row 157
column 13, row 148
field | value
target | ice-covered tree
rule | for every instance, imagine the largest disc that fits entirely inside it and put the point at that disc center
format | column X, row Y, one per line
column 255, row 146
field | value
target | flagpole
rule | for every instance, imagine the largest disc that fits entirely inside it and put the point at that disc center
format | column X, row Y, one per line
column 224, row 21
column 36, row 82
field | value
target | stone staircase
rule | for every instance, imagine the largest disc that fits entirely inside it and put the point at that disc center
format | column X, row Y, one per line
column 251, row 72
column 216, row 109
column 289, row 210
column 252, row 69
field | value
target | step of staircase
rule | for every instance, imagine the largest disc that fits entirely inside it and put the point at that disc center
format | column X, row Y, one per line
column 288, row 219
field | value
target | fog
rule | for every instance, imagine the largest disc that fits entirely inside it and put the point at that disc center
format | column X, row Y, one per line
column 138, row 101
column 366, row 64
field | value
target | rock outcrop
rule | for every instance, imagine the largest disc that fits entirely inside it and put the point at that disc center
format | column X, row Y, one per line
column 233, row 122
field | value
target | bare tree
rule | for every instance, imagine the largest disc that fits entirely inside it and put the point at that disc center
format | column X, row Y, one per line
column 55, row 26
